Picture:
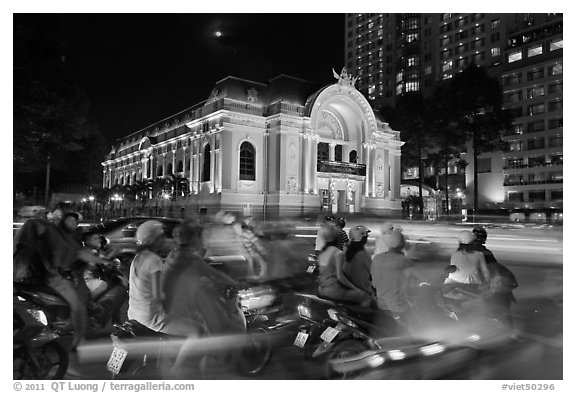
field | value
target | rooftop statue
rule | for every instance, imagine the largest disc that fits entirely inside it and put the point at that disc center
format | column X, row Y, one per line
column 344, row 78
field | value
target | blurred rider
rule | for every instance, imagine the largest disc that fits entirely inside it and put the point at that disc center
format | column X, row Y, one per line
column 471, row 265
column 255, row 251
column 196, row 291
column 332, row 281
column 358, row 261
column 343, row 239
column 503, row 281
column 328, row 220
column 146, row 293
column 380, row 242
column 390, row 276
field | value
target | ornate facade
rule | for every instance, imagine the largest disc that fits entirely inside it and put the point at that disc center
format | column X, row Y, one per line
column 286, row 147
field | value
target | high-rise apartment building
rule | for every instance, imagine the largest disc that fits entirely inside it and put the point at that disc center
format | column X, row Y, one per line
column 392, row 54
column 532, row 80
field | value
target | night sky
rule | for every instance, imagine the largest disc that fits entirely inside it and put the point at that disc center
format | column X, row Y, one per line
column 139, row 69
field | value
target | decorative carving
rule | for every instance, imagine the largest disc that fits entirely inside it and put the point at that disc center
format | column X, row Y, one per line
column 292, row 152
column 252, row 95
column 344, row 78
column 292, row 186
column 379, row 190
column 379, row 164
column 213, row 96
column 334, row 122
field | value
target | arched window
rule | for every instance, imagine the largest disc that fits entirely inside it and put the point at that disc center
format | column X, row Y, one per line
column 120, row 180
column 353, row 157
column 180, row 166
column 206, row 165
column 134, row 178
column 169, row 169
column 247, row 161
column 159, row 171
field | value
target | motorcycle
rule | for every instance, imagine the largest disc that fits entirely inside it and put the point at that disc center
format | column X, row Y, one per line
column 330, row 330
column 139, row 352
column 103, row 310
column 37, row 353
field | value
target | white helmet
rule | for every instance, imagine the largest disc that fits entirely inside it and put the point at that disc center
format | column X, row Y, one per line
column 148, row 232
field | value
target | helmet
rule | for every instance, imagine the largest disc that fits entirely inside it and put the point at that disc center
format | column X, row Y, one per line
column 394, row 240
column 386, row 227
column 248, row 222
column 329, row 218
column 480, row 233
column 358, row 232
column 148, row 232
column 328, row 233
column 341, row 222
column 466, row 237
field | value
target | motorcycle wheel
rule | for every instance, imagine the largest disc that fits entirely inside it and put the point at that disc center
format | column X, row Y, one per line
column 340, row 350
column 257, row 353
column 49, row 361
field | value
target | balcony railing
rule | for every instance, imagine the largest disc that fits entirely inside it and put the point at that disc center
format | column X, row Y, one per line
column 520, row 166
column 341, row 167
column 531, row 182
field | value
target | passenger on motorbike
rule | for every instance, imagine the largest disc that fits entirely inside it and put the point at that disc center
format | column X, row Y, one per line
column 255, row 251
column 358, row 261
column 502, row 283
column 343, row 240
column 390, row 277
column 99, row 282
column 196, row 291
column 51, row 253
column 332, row 281
column 472, row 271
column 319, row 245
column 146, row 294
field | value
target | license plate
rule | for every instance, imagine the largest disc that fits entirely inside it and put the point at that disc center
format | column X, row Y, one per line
column 329, row 334
column 300, row 340
column 116, row 360
column 311, row 269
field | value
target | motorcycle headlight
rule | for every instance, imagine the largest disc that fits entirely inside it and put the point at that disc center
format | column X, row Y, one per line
column 38, row 315
column 432, row 349
column 304, row 311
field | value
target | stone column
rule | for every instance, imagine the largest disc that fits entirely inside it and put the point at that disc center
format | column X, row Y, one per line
column 173, row 161
column 394, row 176
column 332, row 151
column 313, row 164
column 387, row 174
column 305, row 162
column 212, row 163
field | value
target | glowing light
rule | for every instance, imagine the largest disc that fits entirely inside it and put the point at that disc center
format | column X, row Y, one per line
column 376, row 360
column 396, row 355
column 91, row 198
column 218, row 34
column 432, row 349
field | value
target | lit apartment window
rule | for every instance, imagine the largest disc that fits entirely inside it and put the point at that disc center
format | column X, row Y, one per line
column 371, row 89
column 428, row 70
column 515, row 56
column 399, row 89
column 399, row 77
column 556, row 69
column 515, row 145
column 447, row 66
column 536, row 91
column 535, row 50
column 412, row 86
column 556, row 44
column 446, row 16
column 494, row 24
column 495, row 52
column 536, row 109
column 517, row 129
column 412, row 61
column 412, row 37
column 445, row 41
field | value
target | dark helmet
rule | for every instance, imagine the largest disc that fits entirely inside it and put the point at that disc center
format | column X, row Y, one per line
column 341, row 222
column 480, row 233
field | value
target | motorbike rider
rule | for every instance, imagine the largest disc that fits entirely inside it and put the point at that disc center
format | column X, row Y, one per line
column 196, row 291
column 391, row 271
column 51, row 253
column 319, row 245
column 146, row 293
column 380, row 242
column 99, row 283
column 503, row 281
column 255, row 252
column 472, row 271
column 343, row 239
column 358, row 261
column 332, row 281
